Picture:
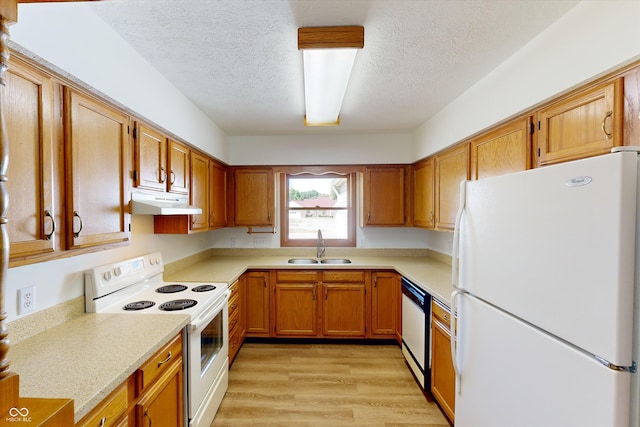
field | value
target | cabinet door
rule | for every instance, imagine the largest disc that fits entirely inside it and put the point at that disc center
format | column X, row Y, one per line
column 295, row 309
column 150, row 154
column 586, row 124
column 218, row 195
column 343, row 313
column 178, row 166
column 385, row 303
column 162, row 405
column 27, row 98
column 96, row 150
column 200, row 190
column 256, row 287
column 442, row 374
column 503, row 150
column 385, row 196
column 452, row 167
column 424, row 196
column 254, row 198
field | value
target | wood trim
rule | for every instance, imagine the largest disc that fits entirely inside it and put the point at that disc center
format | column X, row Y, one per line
column 4, row 233
column 348, row 36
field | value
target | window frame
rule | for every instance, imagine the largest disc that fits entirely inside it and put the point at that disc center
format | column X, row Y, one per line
column 351, row 208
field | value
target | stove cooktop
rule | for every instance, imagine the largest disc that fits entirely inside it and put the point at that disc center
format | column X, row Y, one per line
column 136, row 286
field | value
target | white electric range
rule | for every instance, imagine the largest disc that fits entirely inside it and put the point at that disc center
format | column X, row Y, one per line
column 136, row 286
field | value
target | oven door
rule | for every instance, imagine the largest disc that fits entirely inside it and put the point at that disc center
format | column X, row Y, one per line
column 208, row 361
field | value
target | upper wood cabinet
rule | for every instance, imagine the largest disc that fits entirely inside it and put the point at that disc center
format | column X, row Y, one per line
column 585, row 124
column 424, row 193
column 200, row 190
column 385, row 195
column 150, row 157
column 452, row 167
column 217, row 195
column 503, row 150
column 28, row 99
column 96, row 159
column 252, row 191
column 178, row 167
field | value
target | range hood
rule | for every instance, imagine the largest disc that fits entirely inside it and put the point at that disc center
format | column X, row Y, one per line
column 162, row 204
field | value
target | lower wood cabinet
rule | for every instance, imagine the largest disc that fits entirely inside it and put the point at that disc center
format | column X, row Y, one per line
column 237, row 328
column 443, row 380
column 256, row 288
column 344, row 304
column 385, row 304
column 151, row 396
column 161, row 405
column 296, row 303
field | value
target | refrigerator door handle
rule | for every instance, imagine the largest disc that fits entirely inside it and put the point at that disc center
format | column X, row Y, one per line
column 456, row 236
column 454, row 337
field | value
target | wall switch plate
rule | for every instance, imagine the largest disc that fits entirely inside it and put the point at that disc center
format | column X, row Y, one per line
column 26, row 300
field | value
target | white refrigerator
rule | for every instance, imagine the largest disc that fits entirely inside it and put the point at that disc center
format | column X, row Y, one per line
column 545, row 293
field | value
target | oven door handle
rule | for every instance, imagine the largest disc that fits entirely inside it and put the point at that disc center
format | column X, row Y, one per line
column 210, row 313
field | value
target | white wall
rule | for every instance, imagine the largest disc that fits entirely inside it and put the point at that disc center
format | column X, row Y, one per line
column 73, row 38
column 591, row 39
column 321, row 149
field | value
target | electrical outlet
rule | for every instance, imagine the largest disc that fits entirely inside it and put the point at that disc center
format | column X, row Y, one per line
column 26, row 300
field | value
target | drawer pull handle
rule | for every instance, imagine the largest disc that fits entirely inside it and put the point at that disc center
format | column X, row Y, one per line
column 604, row 122
column 48, row 213
column 103, row 421
column 146, row 414
column 77, row 233
column 162, row 362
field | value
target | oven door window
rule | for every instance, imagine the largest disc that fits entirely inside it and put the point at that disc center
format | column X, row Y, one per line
column 211, row 342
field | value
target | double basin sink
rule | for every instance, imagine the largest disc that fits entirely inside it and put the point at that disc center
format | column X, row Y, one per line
column 319, row 261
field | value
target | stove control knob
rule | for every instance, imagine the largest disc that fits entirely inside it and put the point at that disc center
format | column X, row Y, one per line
column 117, row 271
column 106, row 276
column 152, row 261
column 158, row 260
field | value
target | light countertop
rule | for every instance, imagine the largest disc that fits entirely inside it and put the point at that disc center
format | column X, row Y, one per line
column 430, row 274
column 87, row 358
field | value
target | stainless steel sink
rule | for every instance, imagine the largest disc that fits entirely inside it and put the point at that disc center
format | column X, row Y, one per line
column 336, row 261
column 303, row 261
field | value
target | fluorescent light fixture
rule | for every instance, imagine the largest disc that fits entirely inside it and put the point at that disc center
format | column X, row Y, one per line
column 328, row 55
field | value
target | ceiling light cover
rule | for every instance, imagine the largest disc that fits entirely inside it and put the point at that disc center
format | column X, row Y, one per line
column 328, row 55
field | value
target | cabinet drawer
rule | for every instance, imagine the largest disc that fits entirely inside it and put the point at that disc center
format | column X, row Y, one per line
column 234, row 305
column 234, row 316
column 343, row 276
column 441, row 313
column 234, row 289
column 159, row 363
column 296, row 276
column 234, row 342
column 110, row 410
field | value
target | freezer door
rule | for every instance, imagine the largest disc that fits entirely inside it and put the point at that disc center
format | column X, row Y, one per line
column 512, row 374
column 555, row 247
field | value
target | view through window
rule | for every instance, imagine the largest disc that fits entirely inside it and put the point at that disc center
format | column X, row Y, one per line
column 318, row 202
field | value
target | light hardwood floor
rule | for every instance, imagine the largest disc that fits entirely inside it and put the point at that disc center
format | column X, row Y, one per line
column 324, row 385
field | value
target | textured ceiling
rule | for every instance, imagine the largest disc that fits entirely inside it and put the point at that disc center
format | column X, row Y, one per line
column 238, row 61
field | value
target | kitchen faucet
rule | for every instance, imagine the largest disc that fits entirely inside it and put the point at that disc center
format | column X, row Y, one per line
column 320, row 245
